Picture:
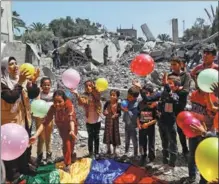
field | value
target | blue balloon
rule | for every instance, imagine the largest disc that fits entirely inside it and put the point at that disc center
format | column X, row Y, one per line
column 68, row 94
column 124, row 103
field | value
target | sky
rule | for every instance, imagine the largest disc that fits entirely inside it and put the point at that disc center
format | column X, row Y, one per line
column 112, row 14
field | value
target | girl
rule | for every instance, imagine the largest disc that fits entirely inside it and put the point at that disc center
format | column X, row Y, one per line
column 65, row 119
column 45, row 136
column 112, row 111
column 90, row 100
column 15, row 108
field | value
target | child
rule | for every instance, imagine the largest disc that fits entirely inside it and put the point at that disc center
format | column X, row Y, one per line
column 65, row 119
column 112, row 111
column 90, row 100
column 167, row 123
column 45, row 136
column 130, row 119
column 146, row 124
column 202, row 110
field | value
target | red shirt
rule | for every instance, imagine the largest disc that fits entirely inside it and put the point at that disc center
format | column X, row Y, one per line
column 62, row 117
column 201, row 106
column 201, row 67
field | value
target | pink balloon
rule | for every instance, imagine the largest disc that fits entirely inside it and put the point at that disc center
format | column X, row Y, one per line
column 187, row 129
column 14, row 141
column 71, row 78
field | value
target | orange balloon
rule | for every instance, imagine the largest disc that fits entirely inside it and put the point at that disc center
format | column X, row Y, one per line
column 216, row 122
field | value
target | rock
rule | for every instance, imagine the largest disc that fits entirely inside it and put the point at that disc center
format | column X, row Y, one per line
column 83, row 134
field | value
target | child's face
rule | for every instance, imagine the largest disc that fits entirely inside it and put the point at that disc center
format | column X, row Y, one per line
column 175, row 66
column 113, row 96
column 59, row 102
column 89, row 87
column 46, row 86
column 173, row 87
column 130, row 98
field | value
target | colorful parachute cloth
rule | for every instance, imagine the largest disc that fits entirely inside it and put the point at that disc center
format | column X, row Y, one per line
column 93, row 171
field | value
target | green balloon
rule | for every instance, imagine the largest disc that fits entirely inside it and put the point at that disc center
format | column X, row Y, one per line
column 39, row 108
column 206, row 78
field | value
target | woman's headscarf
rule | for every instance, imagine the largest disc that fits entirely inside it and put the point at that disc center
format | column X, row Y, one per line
column 5, row 77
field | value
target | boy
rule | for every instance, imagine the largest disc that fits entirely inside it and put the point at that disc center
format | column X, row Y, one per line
column 167, row 123
column 185, row 79
column 146, row 124
column 130, row 119
column 201, row 109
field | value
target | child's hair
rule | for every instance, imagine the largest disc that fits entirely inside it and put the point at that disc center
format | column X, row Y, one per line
column 60, row 93
column 134, row 91
column 44, row 79
column 176, row 59
column 148, row 88
column 176, row 79
column 88, row 81
column 115, row 91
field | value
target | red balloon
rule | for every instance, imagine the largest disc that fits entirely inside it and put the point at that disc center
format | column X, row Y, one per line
column 142, row 65
column 182, row 116
column 187, row 129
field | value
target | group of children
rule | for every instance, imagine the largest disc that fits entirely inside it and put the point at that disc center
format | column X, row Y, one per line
column 146, row 107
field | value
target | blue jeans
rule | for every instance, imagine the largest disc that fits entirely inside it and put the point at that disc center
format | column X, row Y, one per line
column 168, row 134
column 193, row 143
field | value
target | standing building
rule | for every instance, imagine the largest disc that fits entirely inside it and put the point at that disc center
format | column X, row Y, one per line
column 6, row 21
column 128, row 32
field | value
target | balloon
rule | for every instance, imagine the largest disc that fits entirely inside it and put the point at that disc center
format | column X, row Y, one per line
column 71, row 78
column 14, row 141
column 101, row 84
column 182, row 116
column 124, row 103
column 29, row 67
column 187, row 129
column 39, row 108
column 142, row 65
column 206, row 78
column 206, row 158
column 216, row 122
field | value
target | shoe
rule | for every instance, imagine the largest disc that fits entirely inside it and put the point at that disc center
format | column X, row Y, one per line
column 189, row 180
column 40, row 159
column 163, row 167
column 67, row 169
column 142, row 160
column 97, row 156
column 169, row 170
column 73, row 157
column 49, row 158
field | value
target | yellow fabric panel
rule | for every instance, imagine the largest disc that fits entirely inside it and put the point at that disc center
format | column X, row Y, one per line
column 78, row 171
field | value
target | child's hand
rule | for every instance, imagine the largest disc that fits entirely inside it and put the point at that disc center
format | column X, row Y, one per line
column 115, row 116
column 139, row 126
column 164, row 80
column 36, row 75
column 74, row 91
column 32, row 140
column 125, row 109
column 72, row 134
column 105, row 112
column 136, row 83
column 145, row 125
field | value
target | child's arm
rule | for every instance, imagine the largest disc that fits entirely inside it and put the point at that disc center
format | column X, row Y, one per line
column 119, row 110
column 151, row 122
column 138, row 124
column 210, row 104
column 105, row 112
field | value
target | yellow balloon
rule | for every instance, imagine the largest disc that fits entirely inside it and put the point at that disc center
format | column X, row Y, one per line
column 101, row 84
column 206, row 158
column 29, row 67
